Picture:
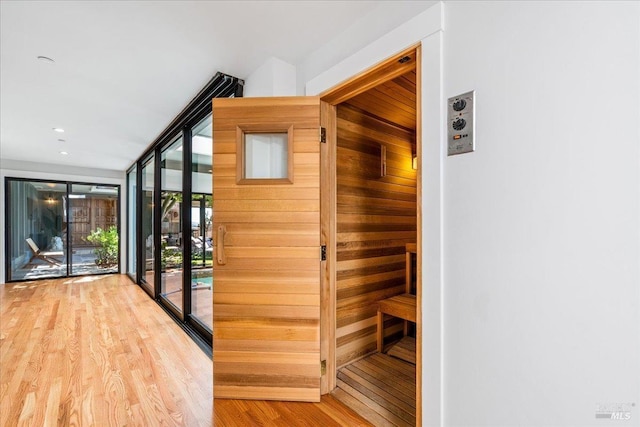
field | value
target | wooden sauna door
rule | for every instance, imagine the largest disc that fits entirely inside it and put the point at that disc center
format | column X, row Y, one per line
column 266, row 270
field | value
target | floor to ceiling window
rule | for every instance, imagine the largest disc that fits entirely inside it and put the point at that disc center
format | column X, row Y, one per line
column 171, row 244
column 201, row 223
column 146, row 224
column 93, row 229
column 170, row 214
column 132, row 223
column 58, row 229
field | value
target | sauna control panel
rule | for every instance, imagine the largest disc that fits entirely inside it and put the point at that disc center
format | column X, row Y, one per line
column 461, row 124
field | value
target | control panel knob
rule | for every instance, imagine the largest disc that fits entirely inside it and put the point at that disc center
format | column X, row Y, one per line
column 459, row 123
column 459, row 105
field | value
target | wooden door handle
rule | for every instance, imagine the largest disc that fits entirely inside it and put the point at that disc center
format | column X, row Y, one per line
column 222, row 258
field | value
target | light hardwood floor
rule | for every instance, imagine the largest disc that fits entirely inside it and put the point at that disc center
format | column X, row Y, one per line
column 329, row 412
column 97, row 351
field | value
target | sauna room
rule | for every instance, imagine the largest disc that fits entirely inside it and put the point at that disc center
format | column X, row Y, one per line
column 376, row 252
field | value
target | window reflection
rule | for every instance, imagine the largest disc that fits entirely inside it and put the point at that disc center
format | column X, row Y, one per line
column 171, row 244
column 201, row 224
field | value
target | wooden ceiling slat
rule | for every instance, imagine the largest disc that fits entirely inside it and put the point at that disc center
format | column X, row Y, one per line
column 394, row 101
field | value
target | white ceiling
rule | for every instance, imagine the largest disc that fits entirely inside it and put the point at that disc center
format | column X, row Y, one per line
column 123, row 70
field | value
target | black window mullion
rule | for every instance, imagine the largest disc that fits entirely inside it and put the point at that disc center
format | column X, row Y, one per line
column 68, row 237
column 7, row 230
column 157, row 223
column 186, row 222
column 138, row 230
column 119, row 228
column 203, row 228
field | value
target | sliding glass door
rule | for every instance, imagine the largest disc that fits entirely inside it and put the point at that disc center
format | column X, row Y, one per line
column 57, row 229
column 171, row 238
column 132, row 223
column 169, row 231
column 93, row 229
column 201, row 224
column 170, row 193
column 147, row 249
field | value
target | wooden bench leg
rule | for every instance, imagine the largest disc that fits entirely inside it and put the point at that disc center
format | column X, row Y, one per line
column 380, row 331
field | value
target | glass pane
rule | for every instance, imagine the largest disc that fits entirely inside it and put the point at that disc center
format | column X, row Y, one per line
column 202, row 151
column 37, row 236
column 171, row 224
column 265, row 155
column 201, row 224
column 131, row 216
column 147, row 222
column 93, row 229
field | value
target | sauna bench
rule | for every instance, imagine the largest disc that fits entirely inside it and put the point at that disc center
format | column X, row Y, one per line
column 402, row 306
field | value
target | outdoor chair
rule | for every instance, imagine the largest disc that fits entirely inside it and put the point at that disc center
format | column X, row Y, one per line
column 47, row 256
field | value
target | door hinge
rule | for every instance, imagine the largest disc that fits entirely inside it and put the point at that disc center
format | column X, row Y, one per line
column 323, row 253
column 323, row 134
column 323, row 367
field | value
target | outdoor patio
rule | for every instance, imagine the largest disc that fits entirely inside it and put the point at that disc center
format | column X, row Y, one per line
column 83, row 261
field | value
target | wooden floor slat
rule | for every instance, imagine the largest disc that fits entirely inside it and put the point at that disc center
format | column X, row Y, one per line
column 405, row 349
column 396, row 367
column 386, row 400
column 407, row 388
column 380, row 388
column 396, row 389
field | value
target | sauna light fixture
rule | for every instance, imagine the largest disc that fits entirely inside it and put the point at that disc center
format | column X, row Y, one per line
column 383, row 161
column 414, row 162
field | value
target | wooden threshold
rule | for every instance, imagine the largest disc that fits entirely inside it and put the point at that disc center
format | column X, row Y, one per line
column 381, row 388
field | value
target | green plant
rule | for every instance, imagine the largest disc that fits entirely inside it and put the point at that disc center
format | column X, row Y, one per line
column 170, row 257
column 107, row 242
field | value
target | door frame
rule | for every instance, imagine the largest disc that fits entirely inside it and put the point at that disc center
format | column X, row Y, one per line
column 384, row 71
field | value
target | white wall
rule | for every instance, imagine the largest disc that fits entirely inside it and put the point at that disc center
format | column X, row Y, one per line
column 274, row 77
column 542, row 222
column 385, row 18
column 20, row 169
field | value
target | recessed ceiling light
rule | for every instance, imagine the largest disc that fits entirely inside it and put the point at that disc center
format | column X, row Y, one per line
column 58, row 130
column 46, row 59
column 64, row 153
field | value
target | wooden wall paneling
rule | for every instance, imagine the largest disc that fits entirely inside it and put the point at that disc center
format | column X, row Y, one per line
column 376, row 217
column 393, row 101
